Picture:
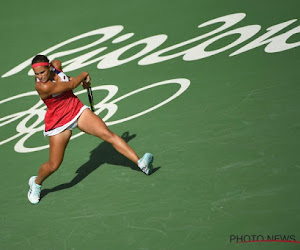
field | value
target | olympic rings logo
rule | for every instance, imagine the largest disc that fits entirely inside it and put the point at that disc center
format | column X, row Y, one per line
column 38, row 110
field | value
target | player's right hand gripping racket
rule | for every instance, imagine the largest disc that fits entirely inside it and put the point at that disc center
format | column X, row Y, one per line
column 91, row 98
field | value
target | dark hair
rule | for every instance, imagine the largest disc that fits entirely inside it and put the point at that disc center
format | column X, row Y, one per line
column 39, row 58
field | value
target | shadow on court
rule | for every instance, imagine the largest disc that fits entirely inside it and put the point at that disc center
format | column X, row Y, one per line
column 102, row 154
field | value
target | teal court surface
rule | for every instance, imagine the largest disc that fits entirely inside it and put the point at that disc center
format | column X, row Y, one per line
column 210, row 88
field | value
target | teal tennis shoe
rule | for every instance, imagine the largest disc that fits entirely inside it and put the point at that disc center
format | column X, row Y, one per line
column 34, row 191
column 145, row 163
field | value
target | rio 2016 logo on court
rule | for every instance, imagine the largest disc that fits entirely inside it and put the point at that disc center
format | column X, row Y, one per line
column 272, row 41
column 272, row 44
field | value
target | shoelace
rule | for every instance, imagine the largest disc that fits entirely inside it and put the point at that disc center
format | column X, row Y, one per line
column 144, row 167
column 145, row 170
column 35, row 191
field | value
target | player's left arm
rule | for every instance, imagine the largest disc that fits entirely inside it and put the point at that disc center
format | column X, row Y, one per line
column 57, row 64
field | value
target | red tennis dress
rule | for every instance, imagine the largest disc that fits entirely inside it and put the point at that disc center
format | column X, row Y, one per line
column 63, row 109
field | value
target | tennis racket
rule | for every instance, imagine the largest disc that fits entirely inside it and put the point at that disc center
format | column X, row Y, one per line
column 91, row 98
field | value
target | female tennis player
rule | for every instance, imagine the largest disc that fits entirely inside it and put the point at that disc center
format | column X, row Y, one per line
column 66, row 112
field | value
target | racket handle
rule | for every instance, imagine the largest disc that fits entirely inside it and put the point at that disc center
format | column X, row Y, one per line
column 91, row 98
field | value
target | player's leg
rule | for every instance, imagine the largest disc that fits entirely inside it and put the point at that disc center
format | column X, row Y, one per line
column 91, row 124
column 57, row 146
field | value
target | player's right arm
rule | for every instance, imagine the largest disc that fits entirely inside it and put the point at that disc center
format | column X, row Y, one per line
column 49, row 88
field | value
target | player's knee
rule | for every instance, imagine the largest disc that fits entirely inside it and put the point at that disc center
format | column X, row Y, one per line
column 107, row 135
column 53, row 165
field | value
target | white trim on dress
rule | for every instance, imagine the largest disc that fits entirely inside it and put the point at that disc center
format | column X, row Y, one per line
column 69, row 125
